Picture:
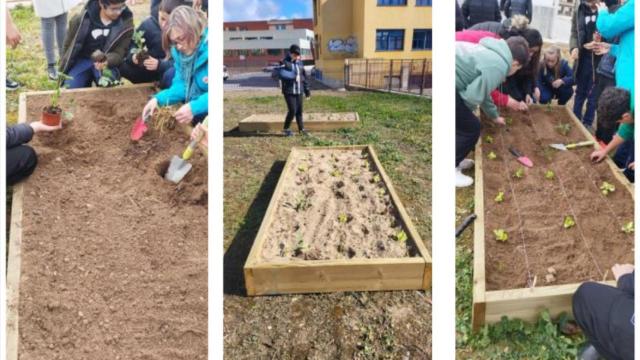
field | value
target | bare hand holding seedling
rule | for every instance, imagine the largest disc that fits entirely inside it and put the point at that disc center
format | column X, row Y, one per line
column 38, row 127
column 620, row 270
column 184, row 114
column 151, row 63
column 557, row 83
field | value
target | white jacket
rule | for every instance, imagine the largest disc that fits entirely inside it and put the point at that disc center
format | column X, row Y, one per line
column 53, row 8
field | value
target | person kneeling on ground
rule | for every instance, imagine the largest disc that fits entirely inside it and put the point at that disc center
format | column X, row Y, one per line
column 21, row 158
column 606, row 316
column 555, row 78
column 480, row 68
column 156, row 67
column 187, row 31
column 105, row 25
column 615, row 107
column 293, row 88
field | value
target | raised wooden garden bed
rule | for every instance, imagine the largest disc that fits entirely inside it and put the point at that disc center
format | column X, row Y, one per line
column 270, row 123
column 106, row 258
column 335, row 223
column 542, row 262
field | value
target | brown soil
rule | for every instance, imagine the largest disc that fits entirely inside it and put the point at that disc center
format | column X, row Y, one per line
column 533, row 213
column 114, row 258
column 334, row 205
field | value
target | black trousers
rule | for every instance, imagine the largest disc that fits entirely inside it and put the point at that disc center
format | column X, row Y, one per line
column 604, row 313
column 294, row 105
column 467, row 130
column 21, row 162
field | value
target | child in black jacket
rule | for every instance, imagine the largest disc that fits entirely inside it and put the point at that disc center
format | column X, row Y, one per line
column 293, row 88
column 21, row 158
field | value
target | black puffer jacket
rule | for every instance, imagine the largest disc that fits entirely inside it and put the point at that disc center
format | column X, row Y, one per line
column 295, row 87
column 582, row 32
column 477, row 11
column 518, row 7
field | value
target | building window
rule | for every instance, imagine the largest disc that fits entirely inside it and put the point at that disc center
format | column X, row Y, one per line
column 274, row 52
column 392, row 2
column 251, row 38
column 389, row 40
column 423, row 2
column 422, row 39
column 281, row 27
column 235, row 38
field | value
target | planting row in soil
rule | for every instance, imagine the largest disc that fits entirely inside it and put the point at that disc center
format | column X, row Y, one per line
column 312, row 122
column 560, row 227
column 335, row 223
column 107, row 259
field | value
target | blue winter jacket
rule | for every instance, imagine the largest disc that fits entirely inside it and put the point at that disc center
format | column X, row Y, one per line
column 620, row 24
column 546, row 76
column 176, row 93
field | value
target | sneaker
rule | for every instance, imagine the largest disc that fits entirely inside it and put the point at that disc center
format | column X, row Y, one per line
column 304, row 132
column 12, row 85
column 52, row 73
column 462, row 180
column 589, row 353
column 466, row 164
column 287, row 132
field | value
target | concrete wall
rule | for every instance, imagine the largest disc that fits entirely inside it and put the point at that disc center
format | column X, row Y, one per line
column 552, row 26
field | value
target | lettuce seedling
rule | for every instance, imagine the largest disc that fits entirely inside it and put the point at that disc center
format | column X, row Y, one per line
column 628, row 228
column 492, row 156
column 501, row 235
column 549, row 175
column 607, row 188
column 500, row 197
column 568, row 222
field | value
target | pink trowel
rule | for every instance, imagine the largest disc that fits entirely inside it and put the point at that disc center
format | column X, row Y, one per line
column 521, row 158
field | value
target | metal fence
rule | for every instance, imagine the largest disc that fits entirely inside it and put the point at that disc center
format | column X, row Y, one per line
column 407, row 76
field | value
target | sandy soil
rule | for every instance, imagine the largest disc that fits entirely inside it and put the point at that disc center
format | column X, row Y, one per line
column 534, row 207
column 335, row 205
column 114, row 258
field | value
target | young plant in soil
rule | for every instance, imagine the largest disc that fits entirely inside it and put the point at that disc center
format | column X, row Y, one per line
column 51, row 114
column 628, row 228
column 508, row 121
column 140, row 50
column 500, row 197
column 607, row 188
column 519, row 174
column 501, row 235
column 343, row 218
column 301, row 247
column 563, row 128
column 549, row 175
column 488, row 139
column 163, row 119
column 568, row 222
column 492, row 156
column 401, row 236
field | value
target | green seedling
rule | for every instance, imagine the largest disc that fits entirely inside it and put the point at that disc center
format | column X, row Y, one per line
column 55, row 96
column 401, row 236
column 501, row 235
column 563, row 128
column 607, row 188
column 492, row 156
column 628, row 228
column 336, row 173
column 381, row 191
column 549, row 108
column 107, row 80
column 375, row 179
column 303, row 167
column 508, row 121
column 568, row 222
column 343, row 218
column 140, row 50
column 301, row 247
column 549, row 175
column 302, row 202
column 488, row 139
column 500, row 197
column 519, row 174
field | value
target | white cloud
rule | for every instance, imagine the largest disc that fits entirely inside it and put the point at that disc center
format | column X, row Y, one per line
column 241, row 10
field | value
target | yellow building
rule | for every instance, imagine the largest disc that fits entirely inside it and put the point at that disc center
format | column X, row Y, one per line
column 369, row 29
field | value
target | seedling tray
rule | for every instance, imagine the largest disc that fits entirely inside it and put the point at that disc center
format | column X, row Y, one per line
column 574, row 190
column 268, row 275
column 273, row 123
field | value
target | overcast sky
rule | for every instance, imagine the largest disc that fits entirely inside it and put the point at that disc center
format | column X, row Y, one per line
column 242, row 10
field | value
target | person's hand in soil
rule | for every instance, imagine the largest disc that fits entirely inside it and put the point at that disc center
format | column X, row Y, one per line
column 198, row 131
column 620, row 270
column 598, row 155
column 499, row 120
column 529, row 100
column 184, row 114
column 574, row 54
column 13, row 35
column 38, row 127
column 151, row 63
column 516, row 105
column 150, row 108
column 557, row 83
column 100, row 65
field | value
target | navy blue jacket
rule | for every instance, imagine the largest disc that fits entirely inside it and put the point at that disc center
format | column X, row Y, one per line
column 546, row 76
column 153, row 41
column 18, row 135
column 292, row 87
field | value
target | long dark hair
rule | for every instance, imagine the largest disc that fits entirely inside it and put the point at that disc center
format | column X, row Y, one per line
column 534, row 39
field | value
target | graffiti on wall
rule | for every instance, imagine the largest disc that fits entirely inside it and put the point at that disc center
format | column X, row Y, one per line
column 348, row 45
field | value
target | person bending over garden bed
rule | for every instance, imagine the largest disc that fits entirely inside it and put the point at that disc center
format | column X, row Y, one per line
column 186, row 30
column 480, row 68
column 21, row 158
column 104, row 25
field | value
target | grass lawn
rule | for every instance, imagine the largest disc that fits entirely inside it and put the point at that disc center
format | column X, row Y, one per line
column 510, row 339
column 339, row 325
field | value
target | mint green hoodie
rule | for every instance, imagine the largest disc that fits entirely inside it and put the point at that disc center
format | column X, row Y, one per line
column 480, row 69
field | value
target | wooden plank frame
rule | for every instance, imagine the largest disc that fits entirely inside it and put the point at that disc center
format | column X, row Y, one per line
column 315, row 276
column 250, row 124
column 525, row 304
column 15, row 236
